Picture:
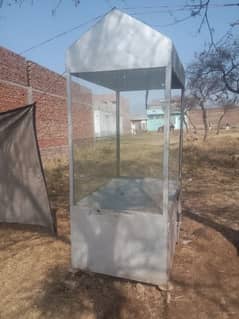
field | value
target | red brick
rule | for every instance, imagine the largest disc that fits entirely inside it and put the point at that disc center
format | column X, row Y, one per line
column 49, row 93
column 12, row 67
column 12, row 96
column 213, row 114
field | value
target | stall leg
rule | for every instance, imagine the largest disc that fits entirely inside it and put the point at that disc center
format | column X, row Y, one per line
column 118, row 133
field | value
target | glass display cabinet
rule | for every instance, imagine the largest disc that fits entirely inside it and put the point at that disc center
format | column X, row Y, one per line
column 125, row 179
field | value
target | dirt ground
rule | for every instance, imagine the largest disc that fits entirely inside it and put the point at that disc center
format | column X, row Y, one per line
column 34, row 266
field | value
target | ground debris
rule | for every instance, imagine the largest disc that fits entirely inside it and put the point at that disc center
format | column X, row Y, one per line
column 34, row 268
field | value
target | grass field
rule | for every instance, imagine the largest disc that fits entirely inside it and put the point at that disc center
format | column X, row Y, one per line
column 34, row 266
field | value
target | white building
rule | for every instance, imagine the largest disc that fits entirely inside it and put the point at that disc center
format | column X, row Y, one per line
column 104, row 108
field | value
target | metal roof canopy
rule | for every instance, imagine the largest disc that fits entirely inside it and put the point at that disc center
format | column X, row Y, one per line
column 124, row 54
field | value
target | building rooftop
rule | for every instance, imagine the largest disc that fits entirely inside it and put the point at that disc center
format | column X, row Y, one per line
column 138, row 117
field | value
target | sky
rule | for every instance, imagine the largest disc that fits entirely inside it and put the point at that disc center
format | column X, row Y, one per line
column 33, row 22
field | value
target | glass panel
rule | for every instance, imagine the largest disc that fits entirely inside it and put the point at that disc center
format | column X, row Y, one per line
column 139, row 186
column 142, row 149
column 94, row 147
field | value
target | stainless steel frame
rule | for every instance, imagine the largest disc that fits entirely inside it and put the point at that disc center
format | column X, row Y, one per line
column 181, row 138
column 118, row 133
column 70, row 138
column 167, row 94
column 108, row 66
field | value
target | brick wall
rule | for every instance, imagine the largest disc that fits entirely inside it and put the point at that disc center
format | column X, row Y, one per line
column 231, row 116
column 13, row 80
column 12, row 96
column 13, row 67
column 43, row 79
column 21, row 80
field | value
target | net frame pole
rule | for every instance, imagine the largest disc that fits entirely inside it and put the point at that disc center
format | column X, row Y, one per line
column 118, row 133
column 70, row 144
column 167, row 95
column 181, row 138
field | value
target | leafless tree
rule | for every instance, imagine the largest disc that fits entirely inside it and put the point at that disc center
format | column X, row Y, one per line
column 201, row 8
column 219, row 63
column 20, row 3
column 203, row 87
column 219, row 66
column 189, row 103
column 225, row 109
column 227, row 103
column 221, row 58
column 222, row 62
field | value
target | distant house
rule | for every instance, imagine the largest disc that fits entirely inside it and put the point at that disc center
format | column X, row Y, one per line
column 104, row 113
column 155, row 119
column 138, row 123
column 155, row 115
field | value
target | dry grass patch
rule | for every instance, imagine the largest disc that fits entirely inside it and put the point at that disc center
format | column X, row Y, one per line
column 34, row 266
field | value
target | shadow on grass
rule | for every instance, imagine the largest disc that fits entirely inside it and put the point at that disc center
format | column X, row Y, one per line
column 230, row 234
column 84, row 295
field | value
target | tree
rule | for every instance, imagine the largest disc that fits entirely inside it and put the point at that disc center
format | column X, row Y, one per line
column 226, row 104
column 225, row 109
column 20, row 3
column 189, row 102
column 201, row 8
column 222, row 62
column 203, row 87
column 218, row 63
column 220, row 58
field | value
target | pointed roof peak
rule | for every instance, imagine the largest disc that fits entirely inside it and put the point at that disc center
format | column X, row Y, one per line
column 119, row 42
